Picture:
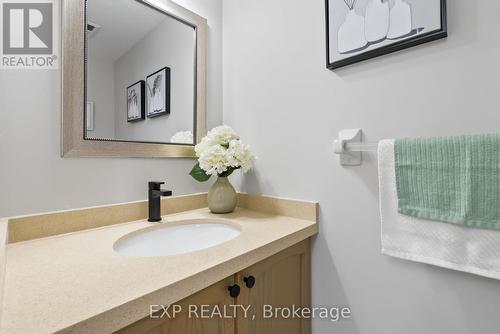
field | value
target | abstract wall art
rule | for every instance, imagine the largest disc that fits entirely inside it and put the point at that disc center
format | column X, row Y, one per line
column 158, row 89
column 362, row 29
column 135, row 102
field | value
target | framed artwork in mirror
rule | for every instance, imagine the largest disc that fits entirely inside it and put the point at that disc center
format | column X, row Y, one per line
column 158, row 89
column 358, row 30
column 135, row 102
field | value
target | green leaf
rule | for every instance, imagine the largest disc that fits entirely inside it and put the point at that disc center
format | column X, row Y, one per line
column 199, row 174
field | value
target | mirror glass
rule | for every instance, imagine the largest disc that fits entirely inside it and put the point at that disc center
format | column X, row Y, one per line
column 140, row 74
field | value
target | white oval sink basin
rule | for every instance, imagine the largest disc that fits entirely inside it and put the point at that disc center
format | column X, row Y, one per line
column 166, row 239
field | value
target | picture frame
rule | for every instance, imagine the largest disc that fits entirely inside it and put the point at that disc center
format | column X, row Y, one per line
column 158, row 92
column 136, row 104
column 386, row 29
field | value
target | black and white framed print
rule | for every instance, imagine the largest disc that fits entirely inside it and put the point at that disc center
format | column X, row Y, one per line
column 158, row 87
column 357, row 30
column 136, row 102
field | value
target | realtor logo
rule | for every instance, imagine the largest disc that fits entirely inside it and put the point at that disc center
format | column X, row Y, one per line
column 29, row 35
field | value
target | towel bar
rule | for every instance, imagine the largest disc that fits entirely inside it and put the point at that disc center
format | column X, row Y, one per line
column 361, row 147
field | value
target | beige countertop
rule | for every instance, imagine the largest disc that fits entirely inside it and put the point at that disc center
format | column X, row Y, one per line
column 77, row 283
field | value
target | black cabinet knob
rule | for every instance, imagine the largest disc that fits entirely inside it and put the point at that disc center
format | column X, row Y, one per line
column 234, row 290
column 249, row 281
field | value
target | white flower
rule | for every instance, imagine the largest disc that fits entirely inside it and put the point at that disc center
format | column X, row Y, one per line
column 204, row 145
column 220, row 135
column 182, row 137
column 239, row 155
column 222, row 150
column 213, row 160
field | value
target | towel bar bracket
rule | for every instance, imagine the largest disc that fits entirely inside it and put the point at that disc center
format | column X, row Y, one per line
column 349, row 146
column 340, row 146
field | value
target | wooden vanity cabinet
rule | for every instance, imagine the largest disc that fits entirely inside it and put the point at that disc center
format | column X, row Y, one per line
column 216, row 294
column 282, row 280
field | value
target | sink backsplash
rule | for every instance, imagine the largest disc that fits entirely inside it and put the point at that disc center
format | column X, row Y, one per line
column 60, row 222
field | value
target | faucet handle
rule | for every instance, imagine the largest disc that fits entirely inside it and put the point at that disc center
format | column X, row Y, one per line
column 153, row 185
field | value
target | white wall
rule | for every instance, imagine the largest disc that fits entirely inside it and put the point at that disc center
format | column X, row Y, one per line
column 101, row 81
column 34, row 178
column 280, row 97
column 170, row 44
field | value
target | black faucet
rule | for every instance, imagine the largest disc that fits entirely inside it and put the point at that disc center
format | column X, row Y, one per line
column 154, row 195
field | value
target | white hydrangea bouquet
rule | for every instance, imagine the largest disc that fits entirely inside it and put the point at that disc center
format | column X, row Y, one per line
column 220, row 153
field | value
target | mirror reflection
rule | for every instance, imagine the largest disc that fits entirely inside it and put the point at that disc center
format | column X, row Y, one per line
column 141, row 76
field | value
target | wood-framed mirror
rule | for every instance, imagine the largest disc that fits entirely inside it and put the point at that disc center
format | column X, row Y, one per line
column 133, row 79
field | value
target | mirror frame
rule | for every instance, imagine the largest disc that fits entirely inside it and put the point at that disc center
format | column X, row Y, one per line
column 73, row 101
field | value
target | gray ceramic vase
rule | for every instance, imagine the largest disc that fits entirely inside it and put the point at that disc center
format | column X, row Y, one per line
column 222, row 197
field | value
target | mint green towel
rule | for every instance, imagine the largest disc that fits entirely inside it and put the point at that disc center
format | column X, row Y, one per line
column 450, row 179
